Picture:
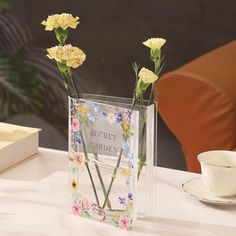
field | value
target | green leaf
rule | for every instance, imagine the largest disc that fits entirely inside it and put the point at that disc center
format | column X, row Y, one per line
column 4, row 4
column 86, row 214
column 20, row 90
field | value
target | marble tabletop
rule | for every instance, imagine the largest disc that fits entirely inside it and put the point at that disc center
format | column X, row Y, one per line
column 34, row 201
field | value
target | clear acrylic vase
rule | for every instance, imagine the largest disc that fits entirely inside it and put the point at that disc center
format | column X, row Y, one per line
column 111, row 153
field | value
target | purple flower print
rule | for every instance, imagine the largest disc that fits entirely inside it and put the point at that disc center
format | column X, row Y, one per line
column 78, row 139
column 122, row 201
column 128, row 114
column 94, row 207
column 98, row 211
column 130, row 196
column 119, row 117
column 76, row 209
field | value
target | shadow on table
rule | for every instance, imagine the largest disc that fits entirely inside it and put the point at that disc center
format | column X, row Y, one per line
column 173, row 227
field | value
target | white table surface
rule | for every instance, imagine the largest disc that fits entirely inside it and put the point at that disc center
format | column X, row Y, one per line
column 34, row 200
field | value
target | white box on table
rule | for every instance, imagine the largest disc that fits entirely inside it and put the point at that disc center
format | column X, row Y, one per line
column 16, row 144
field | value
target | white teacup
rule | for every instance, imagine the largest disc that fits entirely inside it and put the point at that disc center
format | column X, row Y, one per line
column 219, row 172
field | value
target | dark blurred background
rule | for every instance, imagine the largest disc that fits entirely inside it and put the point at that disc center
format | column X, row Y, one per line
column 111, row 34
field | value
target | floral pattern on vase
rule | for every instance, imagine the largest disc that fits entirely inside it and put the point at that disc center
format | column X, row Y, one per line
column 103, row 145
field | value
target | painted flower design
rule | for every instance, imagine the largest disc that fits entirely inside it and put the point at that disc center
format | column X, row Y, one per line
column 78, row 138
column 88, row 113
column 129, row 206
column 115, row 216
column 76, row 209
column 95, row 107
column 122, row 201
column 128, row 114
column 119, row 117
column 130, row 196
column 91, row 117
column 74, row 184
column 125, row 172
column 85, row 204
column 74, row 102
column 78, row 158
column 124, row 222
column 83, row 110
column 130, row 157
column 125, row 145
column 126, row 129
column 75, row 124
column 96, row 209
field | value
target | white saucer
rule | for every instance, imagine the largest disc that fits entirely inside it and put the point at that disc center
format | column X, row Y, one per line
column 196, row 189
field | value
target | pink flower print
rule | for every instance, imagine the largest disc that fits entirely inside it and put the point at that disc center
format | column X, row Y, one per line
column 76, row 209
column 124, row 222
column 78, row 158
column 85, row 203
column 75, row 124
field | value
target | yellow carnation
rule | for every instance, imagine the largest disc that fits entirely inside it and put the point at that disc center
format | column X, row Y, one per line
column 155, row 43
column 68, row 55
column 64, row 21
column 147, row 76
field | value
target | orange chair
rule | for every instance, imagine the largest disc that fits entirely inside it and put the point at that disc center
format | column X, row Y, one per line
column 198, row 103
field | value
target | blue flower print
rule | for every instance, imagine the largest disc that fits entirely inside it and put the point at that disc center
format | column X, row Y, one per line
column 95, row 107
column 78, row 139
column 91, row 117
column 130, row 156
column 119, row 117
column 125, row 145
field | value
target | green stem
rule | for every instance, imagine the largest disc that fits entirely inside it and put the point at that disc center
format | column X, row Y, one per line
column 142, row 160
column 142, row 105
column 113, row 178
column 74, row 85
column 66, row 82
column 118, row 162
column 151, row 97
column 156, row 71
column 134, row 103
column 88, row 169
column 102, row 183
